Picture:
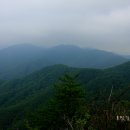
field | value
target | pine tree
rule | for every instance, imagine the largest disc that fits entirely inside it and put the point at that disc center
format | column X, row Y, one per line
column 67, row 110
column 69, row 105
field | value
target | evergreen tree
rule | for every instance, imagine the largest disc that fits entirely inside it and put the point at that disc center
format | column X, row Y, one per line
column 67, row 110
column 70, row 103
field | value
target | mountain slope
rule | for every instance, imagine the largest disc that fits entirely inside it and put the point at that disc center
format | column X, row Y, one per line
column 21, row 60
column 118, row 77
column 18, row 97
column 126, row 56
column 14, row 60
column 82, row 58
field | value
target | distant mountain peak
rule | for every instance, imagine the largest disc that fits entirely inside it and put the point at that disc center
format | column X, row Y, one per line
column 23, row 59
column 67, row 46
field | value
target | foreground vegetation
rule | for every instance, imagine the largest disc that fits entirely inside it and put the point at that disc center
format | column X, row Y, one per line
column 25, row 103
column 70, row 110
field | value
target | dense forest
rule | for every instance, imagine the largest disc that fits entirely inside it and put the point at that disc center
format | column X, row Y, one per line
column 61, row 97
column 64, row 64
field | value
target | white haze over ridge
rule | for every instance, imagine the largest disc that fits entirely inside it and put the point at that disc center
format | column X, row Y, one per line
column 87, row 23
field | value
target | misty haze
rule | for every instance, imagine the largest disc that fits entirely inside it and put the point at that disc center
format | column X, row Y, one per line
column 64, row 65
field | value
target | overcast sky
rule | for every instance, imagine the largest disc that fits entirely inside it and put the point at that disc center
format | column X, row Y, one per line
column 102, row 24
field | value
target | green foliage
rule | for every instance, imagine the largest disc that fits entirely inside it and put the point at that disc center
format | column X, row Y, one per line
column 70, row 102
column 68, row 108
column 18, row 97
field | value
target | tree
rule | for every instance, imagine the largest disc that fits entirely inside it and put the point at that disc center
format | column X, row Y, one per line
column 67, row 110
column 71, row 103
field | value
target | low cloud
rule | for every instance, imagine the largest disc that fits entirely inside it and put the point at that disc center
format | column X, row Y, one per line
column 99, row 24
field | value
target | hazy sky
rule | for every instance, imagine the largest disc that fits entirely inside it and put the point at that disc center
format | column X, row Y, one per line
column 103, row 24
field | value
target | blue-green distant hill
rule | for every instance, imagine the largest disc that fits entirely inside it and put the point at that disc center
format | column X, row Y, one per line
column 20, row 60
column 127, row 56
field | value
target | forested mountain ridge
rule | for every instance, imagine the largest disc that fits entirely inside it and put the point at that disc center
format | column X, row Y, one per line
column 18, row 97
column 93, row 79
column 21, row 60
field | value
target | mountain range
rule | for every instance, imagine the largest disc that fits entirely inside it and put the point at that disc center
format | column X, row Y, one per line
column 28, row 74
column 19, row 96
column 21, row 60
